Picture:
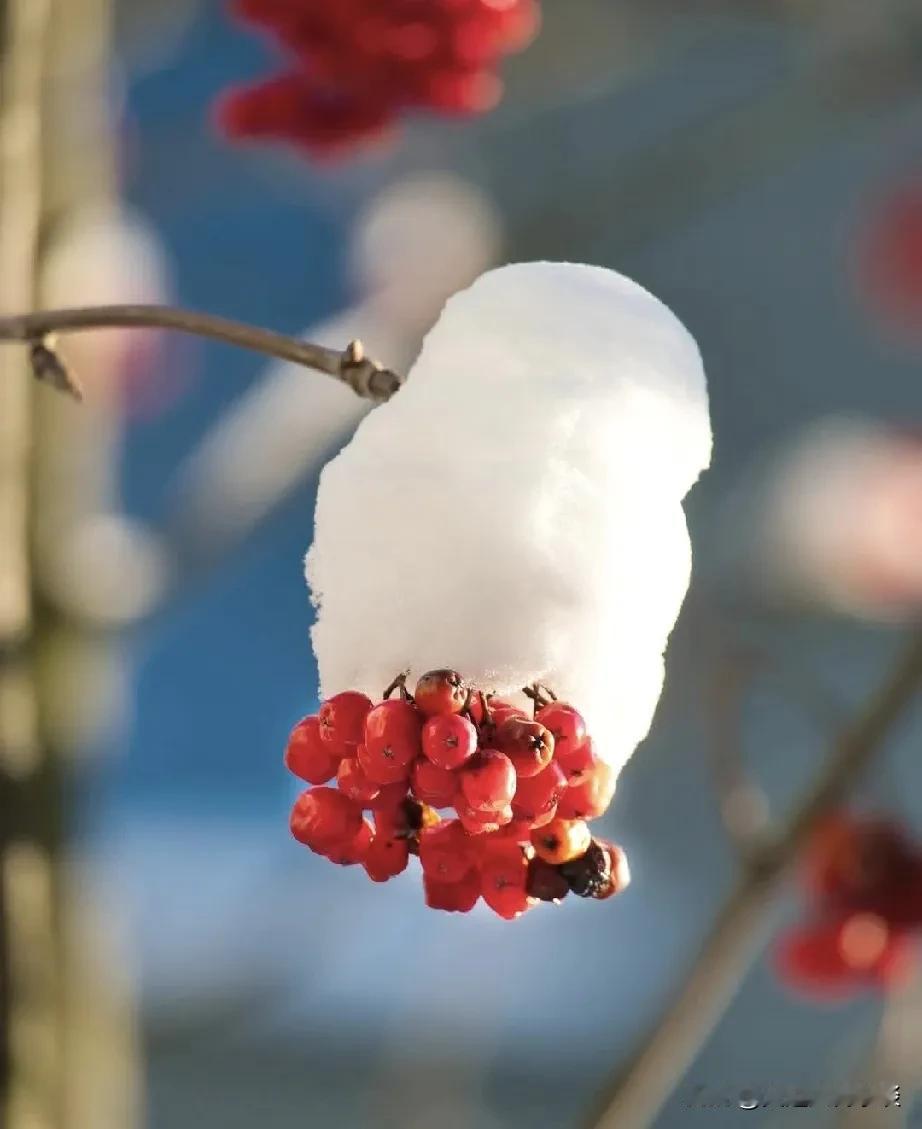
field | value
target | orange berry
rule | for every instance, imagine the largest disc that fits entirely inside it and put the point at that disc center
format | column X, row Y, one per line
column 561, row 840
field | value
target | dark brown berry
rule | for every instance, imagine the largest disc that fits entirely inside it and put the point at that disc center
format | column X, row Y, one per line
column 545, row 881
column 600, row 873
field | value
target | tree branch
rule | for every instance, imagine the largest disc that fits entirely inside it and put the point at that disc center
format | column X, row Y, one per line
column 743, row 804
column 641, row 1087
column 363, row 375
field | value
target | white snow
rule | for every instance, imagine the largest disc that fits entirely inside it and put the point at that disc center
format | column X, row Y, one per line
column 515, row 511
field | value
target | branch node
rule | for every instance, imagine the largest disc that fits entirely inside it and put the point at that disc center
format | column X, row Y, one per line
column 49, row 367
column 366, row 377
column 355, row 352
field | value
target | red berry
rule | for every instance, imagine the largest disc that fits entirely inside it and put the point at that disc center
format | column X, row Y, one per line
column 461, row 91
column 807, row 958
column 457, row 897
column 357, row 64
column 433, row 785
column 390, row 795
column 836, row 956
column 528, row 744
column 354, row 850
column 544, row 818
column 499, row 714
column 519, row 23
column 536, row 796
column 342, row 721
column 440, row 692
column 500, row 844
column 382, row 772
column 475, row 43
column 488, row 781
column 449, row 740
column 504, row 875
column 322, row 817
column 445, row 852
column 578, row 761
column 590, row 799
column 296, row 107
column 503, row 711
column 869, row 864
column 495, row 706
column 352, row 782
column 480, row 822
column 891, row 257
column 386, row 857
column 565, row 722
column 392, row 741
column 561, row 840
column 876, row 949
column 306, row 755
column 515, row 831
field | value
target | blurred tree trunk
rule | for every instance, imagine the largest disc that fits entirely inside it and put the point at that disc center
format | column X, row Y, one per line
column 30, row 948
column 68, row 1046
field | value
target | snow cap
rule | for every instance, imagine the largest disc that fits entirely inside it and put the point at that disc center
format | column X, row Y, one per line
column 514, row 512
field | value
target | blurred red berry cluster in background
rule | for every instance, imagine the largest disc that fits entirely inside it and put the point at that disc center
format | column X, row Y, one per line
column 357, row 65
column 521, row 789
column 890, row 258
column 864, row 877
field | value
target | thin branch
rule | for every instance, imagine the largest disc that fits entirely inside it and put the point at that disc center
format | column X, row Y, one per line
column 743, row 803
column 642, row 1086
column 744, row 806
column 366, row 378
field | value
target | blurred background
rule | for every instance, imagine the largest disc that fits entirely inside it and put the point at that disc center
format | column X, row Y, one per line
column 170, row 957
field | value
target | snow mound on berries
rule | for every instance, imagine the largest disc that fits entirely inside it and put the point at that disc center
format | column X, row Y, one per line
column 515, row 511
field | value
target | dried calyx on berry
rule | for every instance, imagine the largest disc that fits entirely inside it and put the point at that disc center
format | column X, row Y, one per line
column 411, row 817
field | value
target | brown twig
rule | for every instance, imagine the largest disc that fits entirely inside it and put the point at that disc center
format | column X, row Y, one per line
column 363, row 375
column 744, row 806
column 644, row 1083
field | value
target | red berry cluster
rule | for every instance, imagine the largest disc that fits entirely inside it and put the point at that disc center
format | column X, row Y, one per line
column 865, row 879
column 358, row 64
column 520, row 788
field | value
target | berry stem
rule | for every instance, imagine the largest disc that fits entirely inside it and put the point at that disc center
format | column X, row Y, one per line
column 401, row 682
column 540, row 696
column 466, row 710
column 364, row 376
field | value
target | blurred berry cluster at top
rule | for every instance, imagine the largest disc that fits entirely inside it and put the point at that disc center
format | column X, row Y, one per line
column 355, row 66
